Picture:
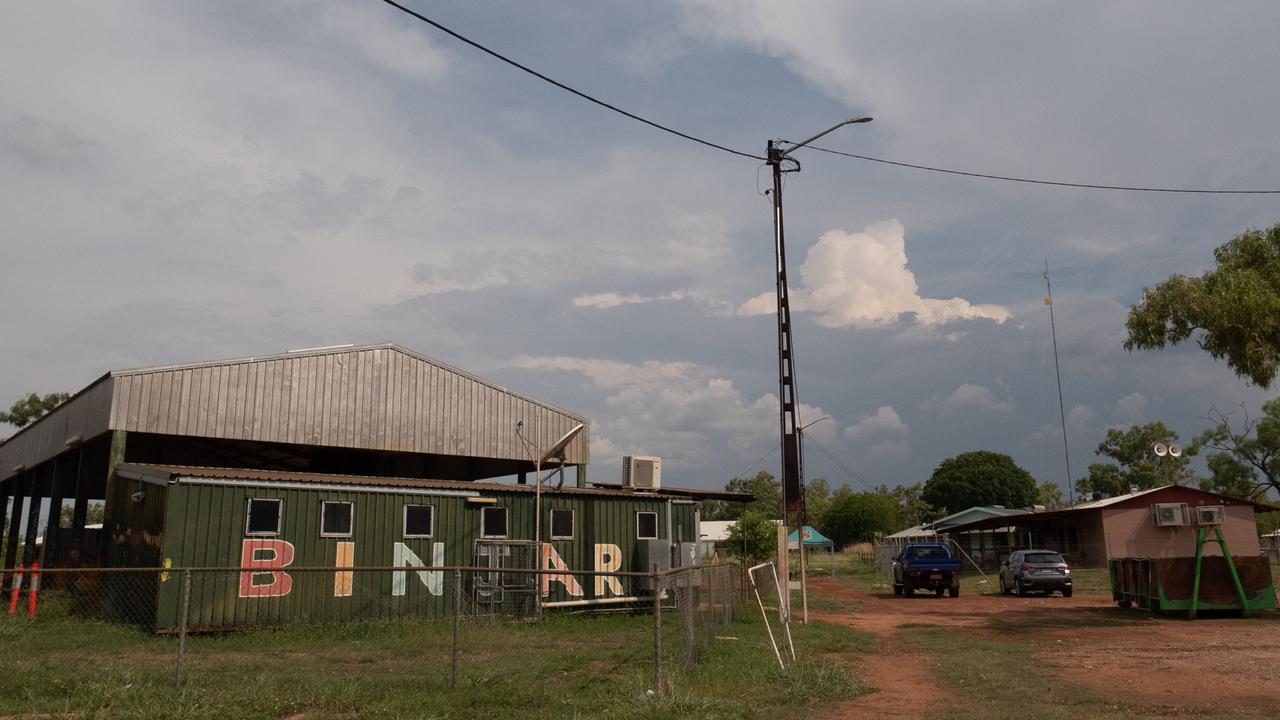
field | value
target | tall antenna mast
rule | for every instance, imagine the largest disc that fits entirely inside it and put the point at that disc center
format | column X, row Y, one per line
column 1057, row 371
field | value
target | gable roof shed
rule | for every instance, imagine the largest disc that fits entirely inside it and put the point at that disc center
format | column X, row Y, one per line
column 373, row 397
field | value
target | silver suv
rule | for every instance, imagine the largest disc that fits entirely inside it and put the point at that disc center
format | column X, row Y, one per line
column 1035, row 571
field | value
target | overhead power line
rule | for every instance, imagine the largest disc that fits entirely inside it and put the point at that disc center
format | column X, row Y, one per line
column 701, row 141
column 841, row 465
column 564, row 87
column 1007, row 178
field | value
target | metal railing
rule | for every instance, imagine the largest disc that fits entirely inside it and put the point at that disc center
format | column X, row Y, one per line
column 689, row 605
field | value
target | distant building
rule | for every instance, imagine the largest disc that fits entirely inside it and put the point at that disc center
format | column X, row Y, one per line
column 1089, row 534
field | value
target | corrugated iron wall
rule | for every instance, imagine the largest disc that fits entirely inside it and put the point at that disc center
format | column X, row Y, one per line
column 206, row 526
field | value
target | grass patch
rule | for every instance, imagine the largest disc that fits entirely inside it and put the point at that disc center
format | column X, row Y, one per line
column 564, row 667
column 996, row 679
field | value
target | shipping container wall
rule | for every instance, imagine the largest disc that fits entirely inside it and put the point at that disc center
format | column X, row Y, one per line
column 208, row 527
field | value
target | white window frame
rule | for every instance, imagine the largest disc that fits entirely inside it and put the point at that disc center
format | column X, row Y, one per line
column 655, row 524
column 404, row 525
column 350, row 530
column 248, row 510
column 506, row 519
column 573, row 523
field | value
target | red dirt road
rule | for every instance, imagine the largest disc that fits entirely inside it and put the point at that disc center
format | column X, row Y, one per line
column 1197, row 666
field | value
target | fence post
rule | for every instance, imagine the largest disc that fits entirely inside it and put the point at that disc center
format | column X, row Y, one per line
column 457, row 612
column 657, row 631
column 183, row 613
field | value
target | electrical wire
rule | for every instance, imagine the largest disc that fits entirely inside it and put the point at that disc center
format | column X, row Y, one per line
column 664, row 128
column 756, row 464
column 842, row 466
column 564, row 87
column 1008, row 178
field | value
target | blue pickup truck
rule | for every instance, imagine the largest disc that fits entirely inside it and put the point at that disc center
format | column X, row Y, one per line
column 926, row 565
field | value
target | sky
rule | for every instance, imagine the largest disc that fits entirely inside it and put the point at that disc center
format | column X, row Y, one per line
column 194, row 181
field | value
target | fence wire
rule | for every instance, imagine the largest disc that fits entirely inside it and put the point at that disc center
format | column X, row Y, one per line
column 443, row 608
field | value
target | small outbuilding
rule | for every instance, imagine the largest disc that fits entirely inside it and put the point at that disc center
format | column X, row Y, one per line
column 1130, row 525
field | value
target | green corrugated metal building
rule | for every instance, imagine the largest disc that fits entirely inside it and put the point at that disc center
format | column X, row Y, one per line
column 365, row 457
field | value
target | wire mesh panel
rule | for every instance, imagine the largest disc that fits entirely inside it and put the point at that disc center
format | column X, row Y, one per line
column 697, row 603
column 504, row 593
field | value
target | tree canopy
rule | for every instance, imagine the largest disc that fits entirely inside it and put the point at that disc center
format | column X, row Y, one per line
column 31, row 408
column 1245, row 452
column 1235, row 307
column 1135, row 464
column 768, row 498
column 859, row 517
column 979, row 478
column 753, row 536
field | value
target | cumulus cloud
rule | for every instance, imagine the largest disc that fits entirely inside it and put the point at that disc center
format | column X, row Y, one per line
column 1130, row 409
column 384, row 38
column 970, row 398
column 861, row 280
column 883, row 423
column 677, row 410
column 604, row 301
column 609, row 373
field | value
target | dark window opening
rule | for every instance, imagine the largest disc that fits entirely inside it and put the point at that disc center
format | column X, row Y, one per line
column 493, row 522
column 418, row 520
column 646, row 525
column 264, row 517
column 561, row 524
column 335, row 519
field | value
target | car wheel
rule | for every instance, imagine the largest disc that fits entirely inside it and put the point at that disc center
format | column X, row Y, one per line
column 1066, row 592
column 954, row 592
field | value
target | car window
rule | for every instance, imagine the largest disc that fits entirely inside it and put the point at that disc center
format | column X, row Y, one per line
column 927, row 553
column 1045, row 558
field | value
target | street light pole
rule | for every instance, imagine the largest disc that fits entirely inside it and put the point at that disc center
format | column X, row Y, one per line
column 793, row 505
column 555, row 451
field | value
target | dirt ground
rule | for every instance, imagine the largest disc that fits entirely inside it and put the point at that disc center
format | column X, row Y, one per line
column 1202, row 666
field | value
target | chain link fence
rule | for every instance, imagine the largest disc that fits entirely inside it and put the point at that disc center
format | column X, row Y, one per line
column 446, row 607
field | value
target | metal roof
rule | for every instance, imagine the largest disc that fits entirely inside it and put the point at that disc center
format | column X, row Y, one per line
column 372, row 397
column 182, row 473
column 1097, row 505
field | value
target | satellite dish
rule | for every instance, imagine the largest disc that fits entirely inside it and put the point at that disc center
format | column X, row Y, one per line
column 1160, row 449
column 1175, row 450
column 559, row 447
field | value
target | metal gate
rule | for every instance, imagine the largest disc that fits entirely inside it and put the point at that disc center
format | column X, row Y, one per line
column 505, row 593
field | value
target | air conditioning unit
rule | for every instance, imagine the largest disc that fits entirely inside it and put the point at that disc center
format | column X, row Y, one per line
column 642, row 472
column 1210, row 514
column 1169, row 514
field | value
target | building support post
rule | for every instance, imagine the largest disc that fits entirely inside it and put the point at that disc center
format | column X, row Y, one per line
column 53, row 516
column 15, row 523
column 79, row 512
column 33, row 519
column 119, row 438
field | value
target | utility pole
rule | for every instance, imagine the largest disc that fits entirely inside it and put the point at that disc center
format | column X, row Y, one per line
column 1062, row 412
column 793, row 505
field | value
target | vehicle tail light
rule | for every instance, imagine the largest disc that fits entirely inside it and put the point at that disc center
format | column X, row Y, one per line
column 1024, row 568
